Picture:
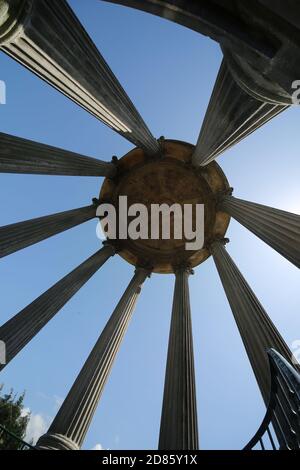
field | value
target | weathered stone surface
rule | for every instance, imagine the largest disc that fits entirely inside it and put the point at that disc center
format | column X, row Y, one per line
column 17, row 236
column 279, row 229
column 74, row 417
column 168, row 180
column 19, row 330
column 257, row 330
column 25, row 156
column 268, row 79
column 47, row 38
column 179, row 428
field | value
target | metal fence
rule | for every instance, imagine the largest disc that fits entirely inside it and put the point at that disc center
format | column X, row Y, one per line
column 280, row 429
column 11, row 441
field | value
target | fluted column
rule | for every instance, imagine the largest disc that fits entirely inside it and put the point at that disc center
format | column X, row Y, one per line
column 17, row 236
column 277, row 228
column 47, row 38
column 257, row 331
column 179, row 429
column 25, row 156
column 17, row 332
column 68, row 430
column 231, row 116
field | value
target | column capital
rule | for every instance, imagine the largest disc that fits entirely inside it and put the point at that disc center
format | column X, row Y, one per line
column 221, row 194
column 109, row 244
column 218, row 241
column 13, row 15
column 183, row 268
column 115, row 161
column 141, row 273
column 161, row 141
column 249, row 77
column 146, row 269
column 98, row 201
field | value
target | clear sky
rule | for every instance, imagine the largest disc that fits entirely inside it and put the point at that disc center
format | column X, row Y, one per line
column 168, row 71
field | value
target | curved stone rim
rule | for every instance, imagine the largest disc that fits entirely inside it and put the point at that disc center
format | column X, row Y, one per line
column 12, row 22
column 254, row 83
column 212, row 175
column 55, row 441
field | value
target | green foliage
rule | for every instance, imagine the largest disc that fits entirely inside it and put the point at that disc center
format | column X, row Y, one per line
column 13, row 419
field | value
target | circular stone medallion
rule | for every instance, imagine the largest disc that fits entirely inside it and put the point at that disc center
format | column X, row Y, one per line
column 169, row 179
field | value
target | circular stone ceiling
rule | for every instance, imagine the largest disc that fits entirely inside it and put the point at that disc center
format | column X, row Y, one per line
column 167, row 179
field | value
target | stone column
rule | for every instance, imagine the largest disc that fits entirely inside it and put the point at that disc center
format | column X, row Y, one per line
column 25, row 156
column 277, row 228
column 19, row 331
column 179, row 429
column 68, row 430
column 17, row 236
column 47, row 38
column 257, row 330
column 231, row 116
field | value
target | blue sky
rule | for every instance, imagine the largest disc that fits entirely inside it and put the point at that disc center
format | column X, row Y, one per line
column 168, row 71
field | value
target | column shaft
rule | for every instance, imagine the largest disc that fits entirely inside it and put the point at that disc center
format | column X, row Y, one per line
column 17, row 332
column 179, row 429
column 231, row 116
column 277, row 228
column 47, row 38
column 257, row 331
column 74, row 417
column 25, row 156
column 23, row 234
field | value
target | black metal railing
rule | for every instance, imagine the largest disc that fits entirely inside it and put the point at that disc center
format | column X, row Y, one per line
column 280, row 429
column 11, row 441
